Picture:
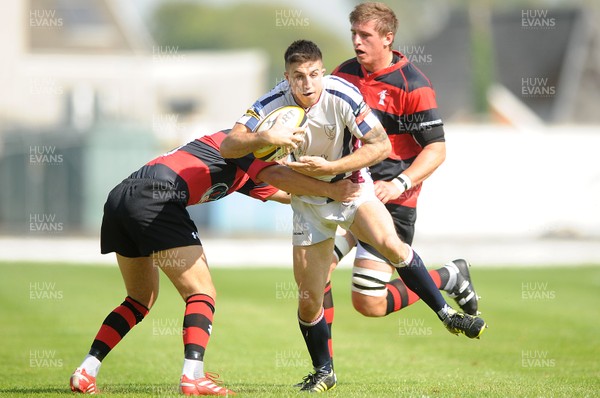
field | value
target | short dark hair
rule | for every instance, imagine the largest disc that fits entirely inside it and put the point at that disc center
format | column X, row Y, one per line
column 302, row 51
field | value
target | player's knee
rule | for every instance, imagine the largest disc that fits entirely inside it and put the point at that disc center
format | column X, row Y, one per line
column 309, row 304
column 146, row 298
column 368, row 305
column 393, row 248
column 208, row 291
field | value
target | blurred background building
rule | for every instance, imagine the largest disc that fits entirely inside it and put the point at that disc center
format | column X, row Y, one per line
column 92, row 89
column 88, row 96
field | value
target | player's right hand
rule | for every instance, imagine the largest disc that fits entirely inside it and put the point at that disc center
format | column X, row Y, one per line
column 386, row 191
column 282, row 135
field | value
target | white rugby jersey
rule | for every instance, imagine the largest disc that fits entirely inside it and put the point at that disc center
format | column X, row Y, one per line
column 335, row 123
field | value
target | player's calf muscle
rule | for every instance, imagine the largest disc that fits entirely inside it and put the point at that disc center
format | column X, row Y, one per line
column 369, row 306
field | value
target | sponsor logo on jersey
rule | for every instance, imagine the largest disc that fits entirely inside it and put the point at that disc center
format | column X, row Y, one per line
column 215, row 192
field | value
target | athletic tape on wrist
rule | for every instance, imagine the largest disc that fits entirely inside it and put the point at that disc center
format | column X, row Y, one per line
column 402, row 182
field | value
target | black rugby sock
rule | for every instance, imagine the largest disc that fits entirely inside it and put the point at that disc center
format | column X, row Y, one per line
column 417, row 278
column 316, row 336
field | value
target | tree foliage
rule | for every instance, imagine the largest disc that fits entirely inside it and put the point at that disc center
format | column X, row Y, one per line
column 193, row 26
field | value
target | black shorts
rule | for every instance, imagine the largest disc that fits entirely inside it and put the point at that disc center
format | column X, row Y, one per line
column 146, row 215
column 404, row 221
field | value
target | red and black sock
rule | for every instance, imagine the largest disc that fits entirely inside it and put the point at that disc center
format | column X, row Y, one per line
column 197, row 325
column 329, row 312
column 116, row 325
column 399, row 296
column 440, row 276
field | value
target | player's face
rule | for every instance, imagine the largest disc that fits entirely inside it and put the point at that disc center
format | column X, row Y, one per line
column 306, row 81
column 372, row 50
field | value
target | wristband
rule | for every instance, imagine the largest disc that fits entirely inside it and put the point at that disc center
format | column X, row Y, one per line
column 402, row 182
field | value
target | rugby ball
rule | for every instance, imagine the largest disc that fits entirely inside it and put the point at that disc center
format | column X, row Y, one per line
column 291, row 116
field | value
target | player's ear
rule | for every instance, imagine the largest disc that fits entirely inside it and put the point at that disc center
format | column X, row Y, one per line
column 388, row 39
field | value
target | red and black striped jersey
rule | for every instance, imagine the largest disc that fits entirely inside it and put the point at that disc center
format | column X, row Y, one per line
column 208, row 177
column 404, row 101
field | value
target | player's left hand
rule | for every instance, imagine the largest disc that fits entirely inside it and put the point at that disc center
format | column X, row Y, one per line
column 344, row 191
column 386, row 191
column 313, row 166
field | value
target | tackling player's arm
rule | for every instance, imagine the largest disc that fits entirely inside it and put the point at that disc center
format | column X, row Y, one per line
column 375, row 147
column 424, row 164
column 281, row 197
column 297, row 184
column 242, row 141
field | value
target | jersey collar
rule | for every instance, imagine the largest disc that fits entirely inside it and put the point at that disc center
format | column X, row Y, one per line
column 399, row 61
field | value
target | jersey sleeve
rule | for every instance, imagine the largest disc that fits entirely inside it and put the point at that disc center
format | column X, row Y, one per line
column 252, row 116
column 421, row 118
column 364, row 118
column 263, row 106
column 358, row 116
column 420, row 111
column 419, row 103
column 260, row 191
column 429, row 136
column 251, row 166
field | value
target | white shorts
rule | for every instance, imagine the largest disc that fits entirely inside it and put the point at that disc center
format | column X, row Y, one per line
column 315, row 223
column 364, row 254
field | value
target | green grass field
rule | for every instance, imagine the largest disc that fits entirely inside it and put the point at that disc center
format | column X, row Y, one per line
column 542, row 339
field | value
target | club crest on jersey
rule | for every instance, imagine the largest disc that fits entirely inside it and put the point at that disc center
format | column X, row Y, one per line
column 382, row 94
column 215, row 192
column 329, row 131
